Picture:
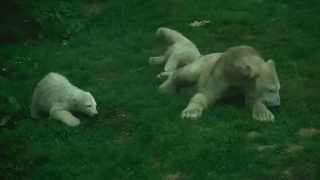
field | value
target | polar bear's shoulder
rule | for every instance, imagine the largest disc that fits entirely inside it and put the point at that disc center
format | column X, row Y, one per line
column 51, row 89
column 53, row 76
column 54, row 85
column 54, row 80
column 240, row 53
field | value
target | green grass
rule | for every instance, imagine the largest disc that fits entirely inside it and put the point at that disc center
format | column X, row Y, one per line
column 138, row 133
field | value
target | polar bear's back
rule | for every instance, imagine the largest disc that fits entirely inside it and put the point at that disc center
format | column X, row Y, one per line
column 53, row 88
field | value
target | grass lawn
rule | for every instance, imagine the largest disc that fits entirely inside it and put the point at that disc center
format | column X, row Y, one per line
column 104, row 46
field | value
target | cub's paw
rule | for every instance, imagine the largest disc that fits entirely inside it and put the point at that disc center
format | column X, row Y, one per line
column 155, row 60
column 152, row 60
column 263, row 115
column 193, row 111
column 72, row 122
column 164, row 75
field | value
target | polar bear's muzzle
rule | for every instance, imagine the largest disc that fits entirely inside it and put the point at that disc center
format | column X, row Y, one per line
column 93, row 112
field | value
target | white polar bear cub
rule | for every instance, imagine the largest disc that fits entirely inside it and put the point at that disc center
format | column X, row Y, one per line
column 181, row 51
column 55, row 95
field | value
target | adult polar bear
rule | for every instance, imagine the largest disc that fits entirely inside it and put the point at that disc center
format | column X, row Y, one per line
column 181, row 51
column 55, row 95
column 239, row 69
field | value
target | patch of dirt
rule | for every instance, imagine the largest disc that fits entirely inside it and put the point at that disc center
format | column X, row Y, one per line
column 114, row 113
column 95, row 8
column 308, row 132
column 176, row 176
column 248, row 37
column 292, row 173
column 266, row 147
column 124, row 138
column 122, row 115
column 4, row 120
column 287, row 173
column 253, row 135
column 294, row 148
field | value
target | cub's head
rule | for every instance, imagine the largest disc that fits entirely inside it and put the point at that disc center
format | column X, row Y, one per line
column 268, row 85
column 87, row 104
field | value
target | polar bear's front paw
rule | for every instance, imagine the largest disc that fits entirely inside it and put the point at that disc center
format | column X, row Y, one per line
column 72, row 122
column 263, row 115
column 193, row 111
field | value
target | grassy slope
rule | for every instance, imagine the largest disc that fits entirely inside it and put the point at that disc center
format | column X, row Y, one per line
column 138, row 134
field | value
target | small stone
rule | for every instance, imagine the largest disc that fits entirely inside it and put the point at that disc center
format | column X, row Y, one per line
column 294, row 148
column 253, row 134
column 287, row 173
column 172, row 177
column 199, row 23
column 308, row 132
column 4, row 120
column 265, row 147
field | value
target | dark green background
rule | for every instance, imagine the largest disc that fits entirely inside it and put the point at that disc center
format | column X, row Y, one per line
column 103, row 47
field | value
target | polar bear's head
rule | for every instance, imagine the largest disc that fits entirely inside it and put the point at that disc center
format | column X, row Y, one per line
column 268, row 85
column 86, row 104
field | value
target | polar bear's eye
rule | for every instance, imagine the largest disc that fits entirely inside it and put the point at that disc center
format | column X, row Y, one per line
column 88, row 105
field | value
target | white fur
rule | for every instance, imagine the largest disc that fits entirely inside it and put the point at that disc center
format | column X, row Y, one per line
column 181, row 50
column 56, row 96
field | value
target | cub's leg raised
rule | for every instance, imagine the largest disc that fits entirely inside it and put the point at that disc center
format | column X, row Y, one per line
column 172, row 63
column 186, row 75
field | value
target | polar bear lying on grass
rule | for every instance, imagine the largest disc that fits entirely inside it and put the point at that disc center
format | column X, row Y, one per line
column 238, row 70
column 181, row 51
column 56, row 96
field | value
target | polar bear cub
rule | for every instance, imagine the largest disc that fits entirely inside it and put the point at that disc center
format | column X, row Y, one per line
column 181, row 51
column 56, row 96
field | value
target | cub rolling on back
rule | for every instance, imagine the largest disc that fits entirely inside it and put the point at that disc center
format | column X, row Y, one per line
column 180, row 50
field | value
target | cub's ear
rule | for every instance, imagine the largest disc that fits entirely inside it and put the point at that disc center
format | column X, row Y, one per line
column 270, row 62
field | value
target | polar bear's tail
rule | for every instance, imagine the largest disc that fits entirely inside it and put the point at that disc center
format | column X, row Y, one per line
column 170, row 35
